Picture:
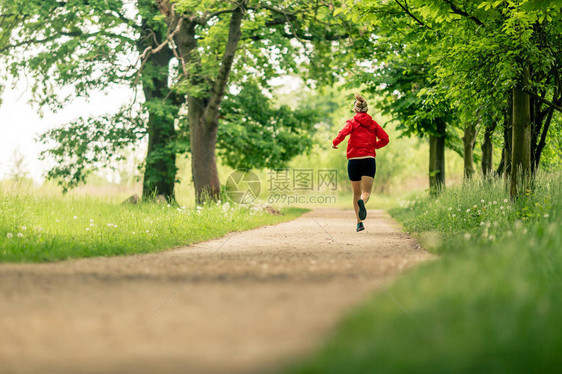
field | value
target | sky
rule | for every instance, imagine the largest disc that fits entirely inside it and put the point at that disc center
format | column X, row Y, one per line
column 20, row 124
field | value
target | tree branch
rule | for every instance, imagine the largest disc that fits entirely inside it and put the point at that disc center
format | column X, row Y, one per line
column 207, row 17
column 461, row 12
column 56, row 36
column 234, row 35
column 543, row 100
column 405, row 8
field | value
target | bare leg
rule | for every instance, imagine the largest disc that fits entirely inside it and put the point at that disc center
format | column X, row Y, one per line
column 356, row 185
column 366, row 187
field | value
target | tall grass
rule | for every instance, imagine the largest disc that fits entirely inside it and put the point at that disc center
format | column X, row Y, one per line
column 490, row 303
column 481, row 212
column 35, row 227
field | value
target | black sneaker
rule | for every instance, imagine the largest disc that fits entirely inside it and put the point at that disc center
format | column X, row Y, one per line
column 360, row 227
column 362, row 210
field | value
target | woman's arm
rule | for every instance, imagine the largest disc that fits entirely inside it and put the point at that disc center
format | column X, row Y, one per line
column 382, row 136
column 343, row 133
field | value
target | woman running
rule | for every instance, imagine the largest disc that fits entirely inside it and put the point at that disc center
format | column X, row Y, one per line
column 361, row 146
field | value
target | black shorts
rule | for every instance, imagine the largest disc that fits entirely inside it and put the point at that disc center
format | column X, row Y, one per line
column 360, row 167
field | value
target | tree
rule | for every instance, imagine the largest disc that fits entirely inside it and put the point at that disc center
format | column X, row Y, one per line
column 92, row 46
column 492, row 47
column 87, row 46
column 220, row 29
column 395, row 51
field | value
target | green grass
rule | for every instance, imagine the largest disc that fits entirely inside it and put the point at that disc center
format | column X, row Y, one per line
column 38, row 228
column 490, row 303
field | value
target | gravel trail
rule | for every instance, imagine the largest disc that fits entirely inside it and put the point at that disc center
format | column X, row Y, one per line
column 244, row 303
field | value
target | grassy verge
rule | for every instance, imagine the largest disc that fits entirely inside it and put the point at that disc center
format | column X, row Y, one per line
column 491, row 303
column 35, row 228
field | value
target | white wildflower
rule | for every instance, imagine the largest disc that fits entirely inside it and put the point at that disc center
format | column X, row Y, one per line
column 9, row 235
column 23, row 228
column 109, row 224
column 57, row 220
column 91, row 224
column 491, row 237
column 450, row 208
column 546, row 215
column 92, row 220
column 475, row 206
column 501, row 207
column 75, row 217
column 482, row 223
column 467, row 236
column 454, row 215
column 482, row 201
column 20, row 235
column 495, row 202
column 505, row 200
column 468, row 210
column 87, row 229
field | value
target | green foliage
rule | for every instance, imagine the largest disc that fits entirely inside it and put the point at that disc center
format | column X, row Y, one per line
column 80, row 45
column 396, row 56
column 255, row 135
column 82, row 146
column 490, row 303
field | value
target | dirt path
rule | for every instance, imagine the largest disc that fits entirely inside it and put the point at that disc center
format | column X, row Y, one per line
column 247, row 302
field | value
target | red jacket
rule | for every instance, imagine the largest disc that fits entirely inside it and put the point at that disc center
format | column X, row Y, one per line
column 364, row 133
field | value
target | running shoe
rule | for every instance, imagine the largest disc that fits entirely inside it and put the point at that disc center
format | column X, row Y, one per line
column 362, row 210
column 360, row 227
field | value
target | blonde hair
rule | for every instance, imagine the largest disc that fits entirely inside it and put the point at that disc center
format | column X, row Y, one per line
column 360, row 105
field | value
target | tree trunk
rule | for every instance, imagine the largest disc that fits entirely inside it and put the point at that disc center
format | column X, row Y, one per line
column 542, row 142
column 160, row 169
column 521, row 145
column 203, row 108
column 160, row 164
column 468, row 141
column 437, row 158
column 488, row 147
column 203, row 159
column 505, row 165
